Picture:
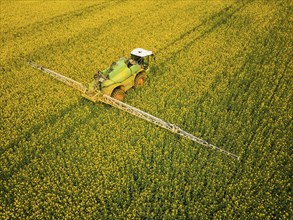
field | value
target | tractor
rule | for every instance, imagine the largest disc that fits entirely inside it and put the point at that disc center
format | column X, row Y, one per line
column 123, row 74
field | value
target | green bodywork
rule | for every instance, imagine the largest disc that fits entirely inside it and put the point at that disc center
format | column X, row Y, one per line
column 119, row 75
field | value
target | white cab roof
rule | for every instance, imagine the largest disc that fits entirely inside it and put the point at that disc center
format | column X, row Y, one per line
column 141, row 52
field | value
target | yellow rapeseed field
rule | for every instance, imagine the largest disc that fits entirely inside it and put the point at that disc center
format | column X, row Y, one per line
column 223, row 71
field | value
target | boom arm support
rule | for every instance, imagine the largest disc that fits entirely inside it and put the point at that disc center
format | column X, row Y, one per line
column 99, row 97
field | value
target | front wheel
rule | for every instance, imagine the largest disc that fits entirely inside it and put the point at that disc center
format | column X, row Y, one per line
column 139, row 81
column 118, row 94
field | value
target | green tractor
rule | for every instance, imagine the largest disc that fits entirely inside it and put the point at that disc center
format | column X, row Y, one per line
column 123, row 74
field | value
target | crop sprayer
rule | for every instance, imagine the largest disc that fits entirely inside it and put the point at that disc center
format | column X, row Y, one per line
column 109, row 87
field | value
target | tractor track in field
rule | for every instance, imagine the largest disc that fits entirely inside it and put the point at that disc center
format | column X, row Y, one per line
column 60, row 19
column 210, row 25
column 87, row 34
column 36, row 54
column 51, row 119
column 30, row 153
column 206, row 27
column 103, row 28
column 250, row 87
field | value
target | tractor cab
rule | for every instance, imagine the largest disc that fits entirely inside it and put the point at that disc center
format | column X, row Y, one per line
column 123, row 74
column 141, row 57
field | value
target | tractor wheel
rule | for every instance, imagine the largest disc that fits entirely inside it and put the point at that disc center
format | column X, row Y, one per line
column 118, row 94
column 139, row 81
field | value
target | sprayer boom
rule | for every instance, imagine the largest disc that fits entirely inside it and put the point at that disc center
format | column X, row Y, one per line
column 97, row 96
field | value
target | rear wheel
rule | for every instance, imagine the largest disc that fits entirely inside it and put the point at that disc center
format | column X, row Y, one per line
column 118, row 94
column 139, row 81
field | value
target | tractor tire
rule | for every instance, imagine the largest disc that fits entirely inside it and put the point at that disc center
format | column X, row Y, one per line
column 118, row 94
column 139, row 81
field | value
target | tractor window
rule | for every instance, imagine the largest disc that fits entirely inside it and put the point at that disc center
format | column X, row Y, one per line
column 138, row 59
column 134, row 57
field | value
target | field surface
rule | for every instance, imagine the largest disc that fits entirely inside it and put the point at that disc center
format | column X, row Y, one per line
column 223, row 72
